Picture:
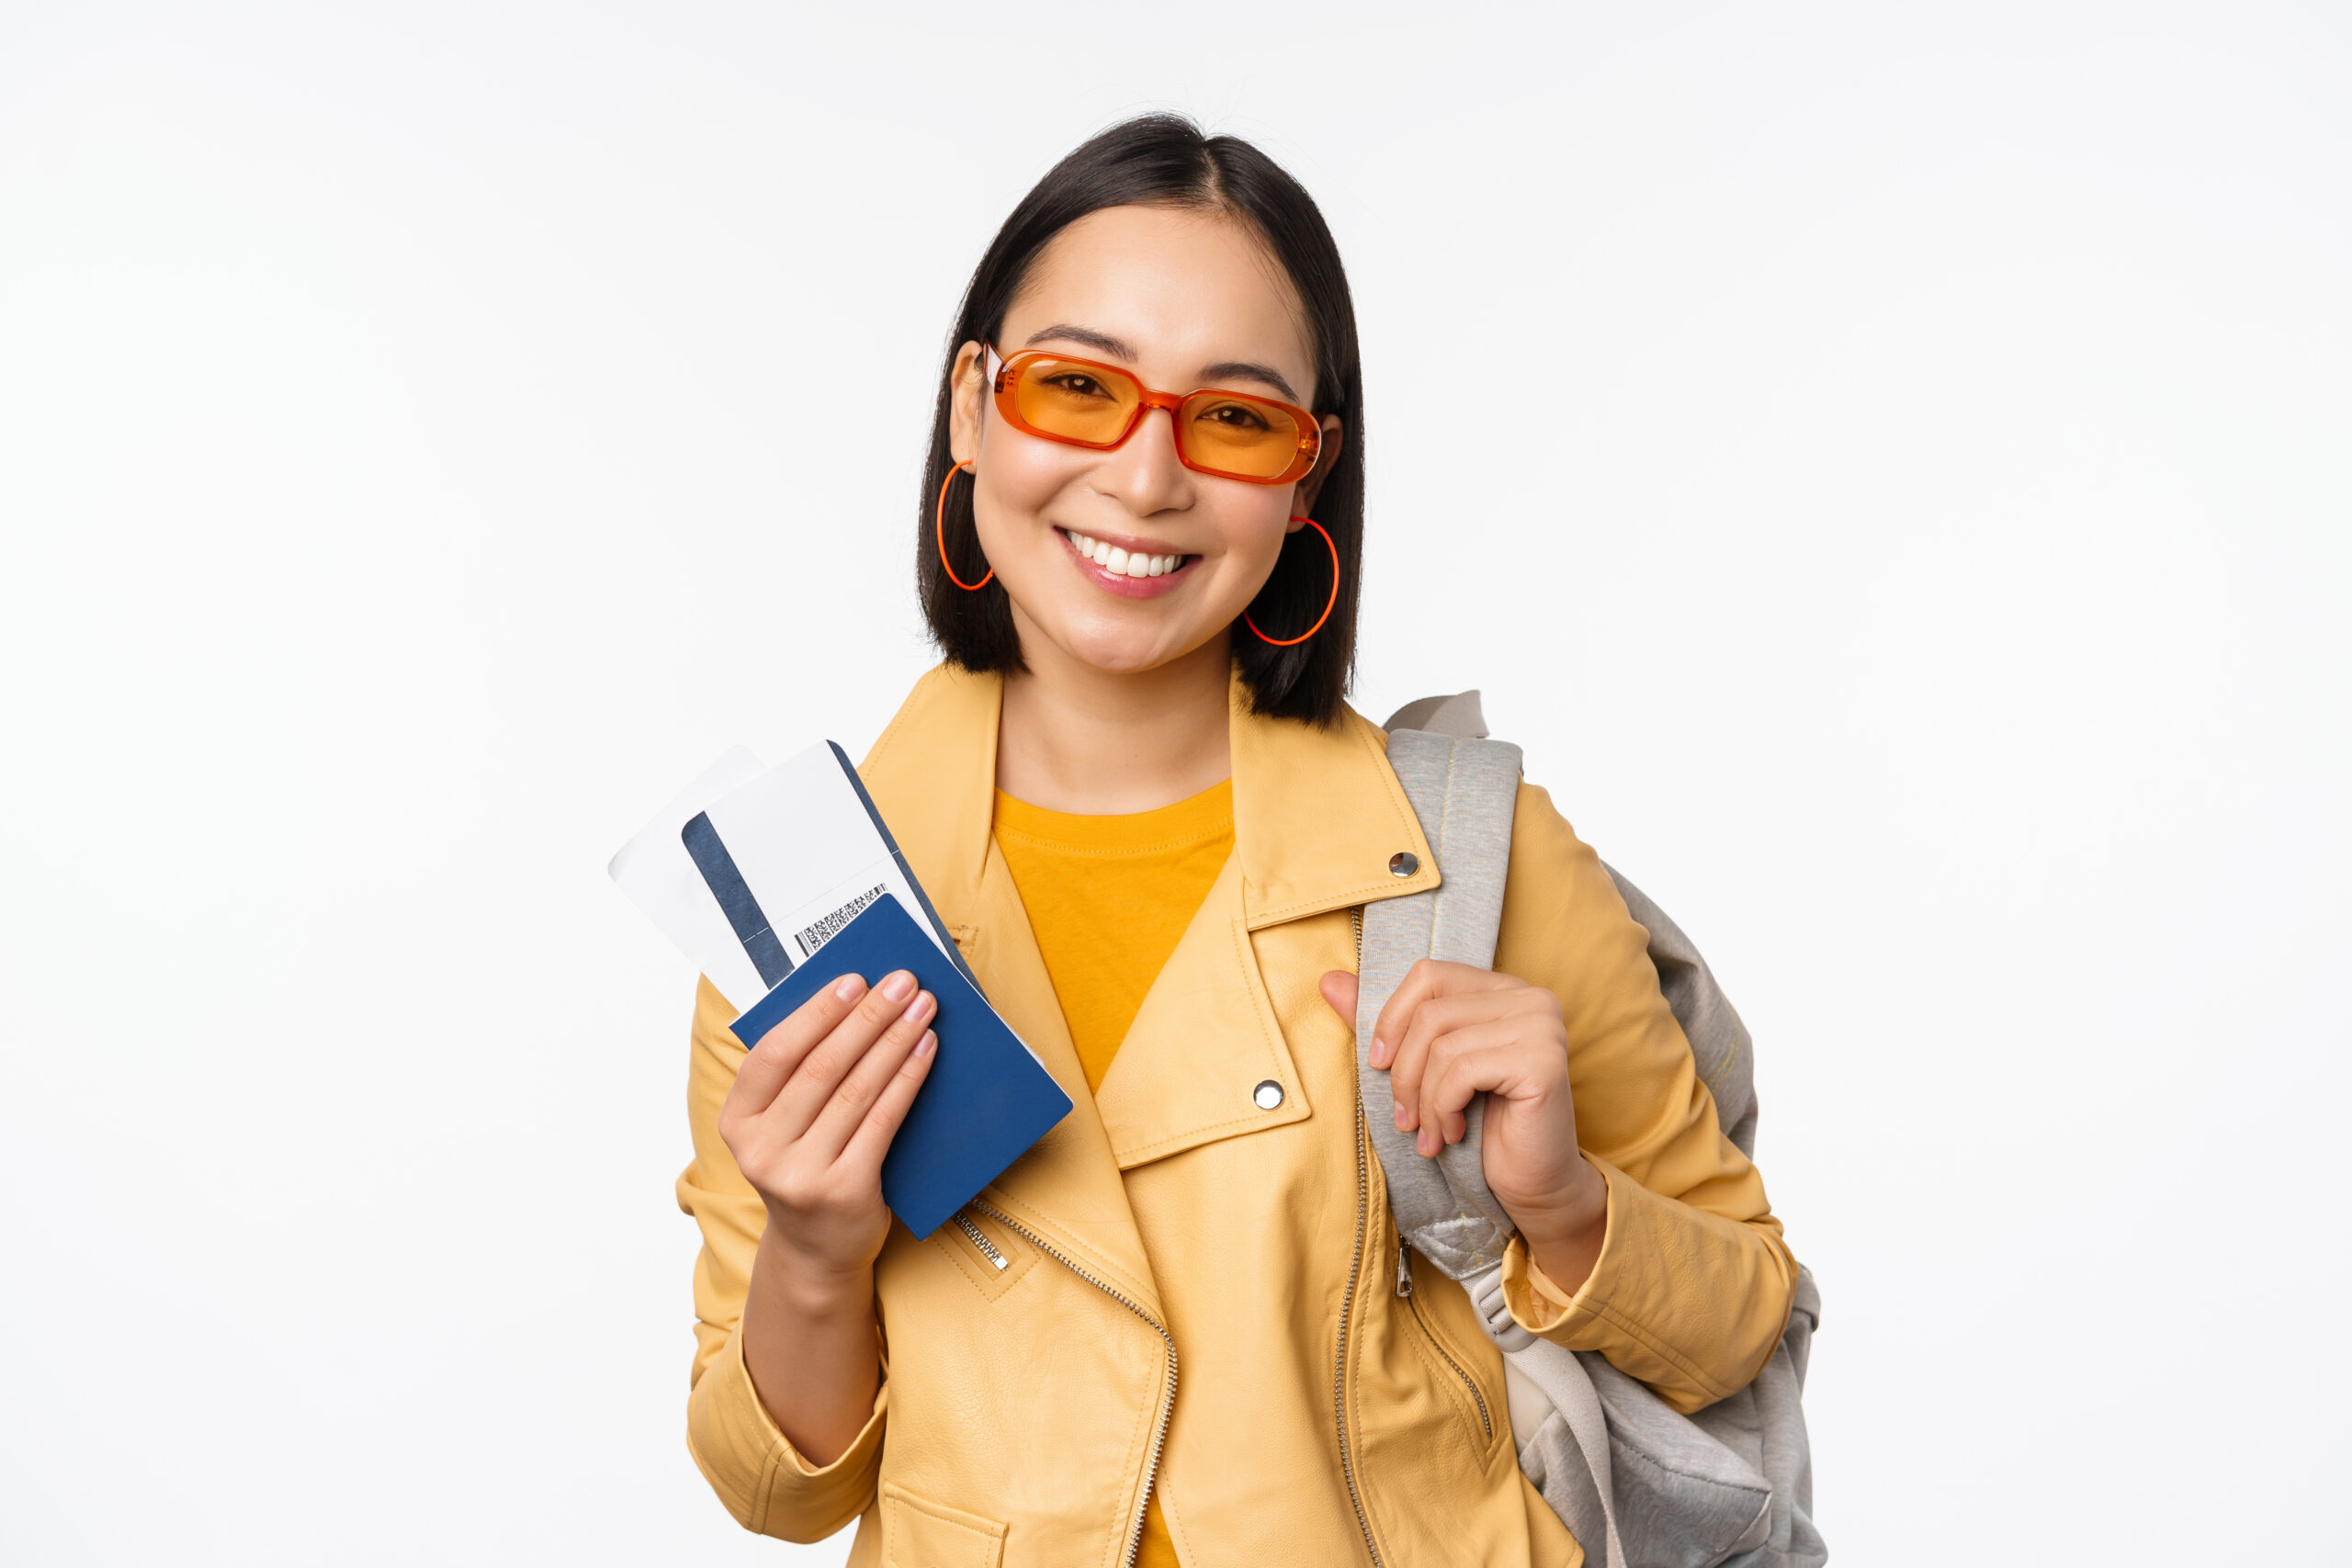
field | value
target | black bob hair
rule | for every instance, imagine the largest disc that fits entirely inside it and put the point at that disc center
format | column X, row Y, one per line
column 1163, row 160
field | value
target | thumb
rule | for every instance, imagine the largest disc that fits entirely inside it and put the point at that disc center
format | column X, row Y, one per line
column 1338, row 988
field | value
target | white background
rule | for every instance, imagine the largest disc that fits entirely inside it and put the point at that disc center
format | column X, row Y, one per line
column 429, row 433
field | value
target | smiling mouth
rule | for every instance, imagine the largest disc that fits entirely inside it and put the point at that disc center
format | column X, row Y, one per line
column 1119, row 563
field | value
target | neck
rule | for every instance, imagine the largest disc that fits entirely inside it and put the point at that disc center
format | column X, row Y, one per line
column 1100, row 742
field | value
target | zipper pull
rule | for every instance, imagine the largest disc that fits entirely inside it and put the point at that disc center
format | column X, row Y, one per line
column 997, row 1260
column 1404, row 1269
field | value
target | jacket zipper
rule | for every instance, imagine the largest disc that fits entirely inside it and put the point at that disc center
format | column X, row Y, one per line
column 1348, row 1301
column 1340, row 1365
column 1167, row 1406
column 988, row 1249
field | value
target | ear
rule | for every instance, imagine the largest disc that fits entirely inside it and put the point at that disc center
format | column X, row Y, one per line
column 968, row 391
column 1302, row 495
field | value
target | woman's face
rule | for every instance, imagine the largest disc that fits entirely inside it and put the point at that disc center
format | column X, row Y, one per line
column 1184, row 300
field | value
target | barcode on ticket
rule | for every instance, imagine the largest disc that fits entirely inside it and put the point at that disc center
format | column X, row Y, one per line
column 816, row 935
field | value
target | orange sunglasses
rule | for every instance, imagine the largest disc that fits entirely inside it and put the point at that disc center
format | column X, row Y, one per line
column 1082, row 402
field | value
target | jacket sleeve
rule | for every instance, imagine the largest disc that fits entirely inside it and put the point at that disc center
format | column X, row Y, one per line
column 1694, row 1285
column 753, row 1466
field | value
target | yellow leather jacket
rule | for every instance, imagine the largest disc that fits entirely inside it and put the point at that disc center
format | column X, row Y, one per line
column 1199, row 1291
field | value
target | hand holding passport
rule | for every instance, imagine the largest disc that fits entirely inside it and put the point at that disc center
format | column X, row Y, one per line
column 778, row 883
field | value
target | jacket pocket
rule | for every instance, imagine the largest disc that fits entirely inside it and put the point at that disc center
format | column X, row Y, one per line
column 987, row 1254
column 1479, row 1416
column 919, row 1533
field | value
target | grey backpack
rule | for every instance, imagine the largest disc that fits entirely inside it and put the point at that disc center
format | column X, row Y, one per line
column 1639, row 1484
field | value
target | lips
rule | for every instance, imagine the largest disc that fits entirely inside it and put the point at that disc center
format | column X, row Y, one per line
column 1141, row 573
column 1124, row 563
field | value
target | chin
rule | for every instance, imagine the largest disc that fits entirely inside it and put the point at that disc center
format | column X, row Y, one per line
column 1122, row 650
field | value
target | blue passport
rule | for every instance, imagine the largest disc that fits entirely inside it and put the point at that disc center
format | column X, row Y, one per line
column 986, row 1099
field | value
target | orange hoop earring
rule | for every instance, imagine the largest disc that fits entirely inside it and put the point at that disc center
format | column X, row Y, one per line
column 1334, row 599
column 939, row 517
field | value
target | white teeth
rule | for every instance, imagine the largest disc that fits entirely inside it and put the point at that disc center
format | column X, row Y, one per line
column 1119, row 563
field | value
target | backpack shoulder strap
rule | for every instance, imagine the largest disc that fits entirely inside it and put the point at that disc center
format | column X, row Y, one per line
column 1463, row 789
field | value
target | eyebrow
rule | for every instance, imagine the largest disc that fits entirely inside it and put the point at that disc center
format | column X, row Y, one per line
column 1102, row 343
column 1229, row 369
column 1119, row 348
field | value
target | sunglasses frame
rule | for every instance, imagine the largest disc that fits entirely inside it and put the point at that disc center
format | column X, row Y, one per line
column 1006, row 368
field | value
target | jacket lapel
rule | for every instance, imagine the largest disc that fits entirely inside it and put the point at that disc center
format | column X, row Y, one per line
column 933, row 777
column 1204, row 1042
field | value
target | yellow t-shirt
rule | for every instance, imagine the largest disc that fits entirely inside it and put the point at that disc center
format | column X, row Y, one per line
column 1109, row 898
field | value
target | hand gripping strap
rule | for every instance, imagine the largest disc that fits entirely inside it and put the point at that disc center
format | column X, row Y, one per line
column 1464, row 791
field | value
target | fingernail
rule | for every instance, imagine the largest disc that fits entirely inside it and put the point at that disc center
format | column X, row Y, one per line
column 922, row 1046
column 1401, row 1119
column 1379, row 1051
column 924, row 1006
column 899, row 987
column 849, row 986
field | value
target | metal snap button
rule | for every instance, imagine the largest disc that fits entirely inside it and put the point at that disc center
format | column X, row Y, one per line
column 1403, row 862
column 1269, row 1095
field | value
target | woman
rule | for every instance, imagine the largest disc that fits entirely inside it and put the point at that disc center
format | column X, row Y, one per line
column 1170, row 1332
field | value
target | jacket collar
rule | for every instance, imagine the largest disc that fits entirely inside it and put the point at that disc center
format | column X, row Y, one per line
column 1317, row 816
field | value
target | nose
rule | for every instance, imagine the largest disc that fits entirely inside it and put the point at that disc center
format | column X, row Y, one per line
column 1143, row 473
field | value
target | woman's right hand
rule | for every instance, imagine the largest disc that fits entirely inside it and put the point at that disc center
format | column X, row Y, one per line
column 813, row 1110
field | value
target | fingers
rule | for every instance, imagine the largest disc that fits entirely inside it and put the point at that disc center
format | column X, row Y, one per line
column 871, row 1140
column 779, row 1050
column 1438, row 1015
column 1487, row 1058
column 845, row 1109
column 1338, row 988
column 1426, row 980
column 834, row 1057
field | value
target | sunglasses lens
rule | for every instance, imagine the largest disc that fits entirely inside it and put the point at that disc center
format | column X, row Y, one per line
column 1075, row 402
column 1094, row 405
column 1239, row 436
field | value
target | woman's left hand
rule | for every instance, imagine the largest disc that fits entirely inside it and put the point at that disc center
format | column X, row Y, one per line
column 1452, row 1031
